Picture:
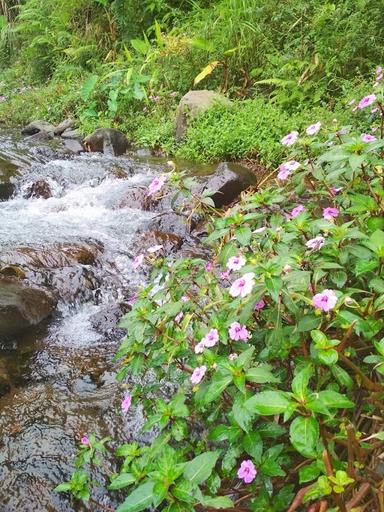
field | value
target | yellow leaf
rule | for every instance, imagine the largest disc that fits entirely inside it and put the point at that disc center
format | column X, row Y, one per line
column 206, row 71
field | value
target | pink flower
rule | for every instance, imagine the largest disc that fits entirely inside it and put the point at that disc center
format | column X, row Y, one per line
column 367, row 100
column 179, row 317
column 224, row 275
column 154, row 248
column 138, row 261
column 199, row 348
column 238, row 332
column 243, row 286
column 126, row 403
column 379, row 70
column 297, row 210
column 291, row 165
column 198, row 374
column 211, row 338
column 259, row 305
column 313, row 129
column 290, row 139
column 283, row 174
column 236, row 262
column 379, row 77
column 374, row 110
column 330, row 213
column 247, row 471
column 232, row 357
column 156, row 185
column 132, row 299
column 85, row 441
column 326, row 300
column 335, row 190
column 286, row 169
column 209, row 266
column 366, row 137
column 184, row 298
column 316, row 243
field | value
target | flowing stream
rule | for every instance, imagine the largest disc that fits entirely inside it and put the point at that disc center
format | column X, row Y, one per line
column 57, row 378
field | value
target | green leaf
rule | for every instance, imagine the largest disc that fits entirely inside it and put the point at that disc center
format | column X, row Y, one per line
column 139, row 499
column 218, row 502
column 121, row 481
column 200, row 468
column 205, row 395
column 328, row 357
column 269, row 403
column 334, row 400
column 88, row 87
column 300, row 383
column 253, row 445
column 261, row 374
column 63, row 487
column 310, row 472
column 342, row 377
column 304, row 435
column 140, row 46
column 243, row 235
column 274, row 286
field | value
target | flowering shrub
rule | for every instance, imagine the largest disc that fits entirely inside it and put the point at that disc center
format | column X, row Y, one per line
column 276, row 346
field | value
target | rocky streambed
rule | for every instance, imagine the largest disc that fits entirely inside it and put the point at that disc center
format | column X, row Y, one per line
column 70, row 227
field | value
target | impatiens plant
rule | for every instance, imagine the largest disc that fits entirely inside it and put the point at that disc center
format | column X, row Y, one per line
column 275, row 349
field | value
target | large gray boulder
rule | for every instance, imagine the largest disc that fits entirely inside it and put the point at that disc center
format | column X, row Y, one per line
column 43, row 128
column 193, row 104
column 22, row 305
column 64, row 125
column 228, row 181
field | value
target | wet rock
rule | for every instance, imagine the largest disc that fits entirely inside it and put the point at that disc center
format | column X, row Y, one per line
column 63, row 126
column 40, row 137
column 57, row 256
column 106, row 322
column 74, row 284
column 6, row 191
column 13, row 271
column 73, row 146
column 229, row 181
column 40, row 188
column 22, row 305
column 170, row 222
column 71, row 134
column 193, row 104
column 170, row 242
column 108, row 141
column 45, row 153
column 38, row 127
column 136, row 198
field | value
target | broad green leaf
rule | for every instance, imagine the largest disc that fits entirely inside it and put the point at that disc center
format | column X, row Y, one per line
column 304, row 435
column 253, row 445
column 269, row 403
column 300, row 383
column 218, row 502
column 121, row 481
column 243, row 235
column 139, row 499
column 88, row 87
column 261, row 374
column 199, row 469
column 334, row 400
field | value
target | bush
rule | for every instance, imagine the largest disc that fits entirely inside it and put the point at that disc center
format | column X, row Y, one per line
column 276, row 346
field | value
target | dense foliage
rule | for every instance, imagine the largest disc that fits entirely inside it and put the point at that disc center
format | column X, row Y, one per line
column 275, row 345
column 126, row 63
